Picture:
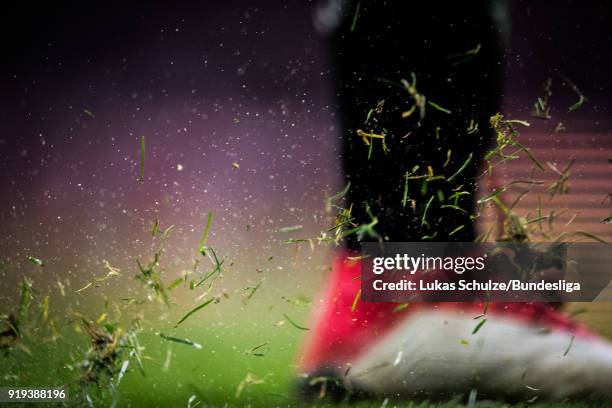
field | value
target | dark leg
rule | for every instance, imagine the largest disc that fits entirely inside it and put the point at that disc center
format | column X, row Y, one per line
column 390, row 41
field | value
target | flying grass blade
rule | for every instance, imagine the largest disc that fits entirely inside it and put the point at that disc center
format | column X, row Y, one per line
column 492, row 195
column 591, row 236
column 479, row 326
column 461, row 169
column 293, row 228
column 448, row 158
column 400, row 307
column 258, row 351
column 518, row 122
column 569, row 346
column 356, row 300
column 201, row 248
column 539, row 218
column 356, row 16
column 438, row 107
column 405, row 196
column 459, row 228
column 530, row 155
column 581, row 98
column 27, row 296
column 194, row 310
column 294, row 324
column 252, row 290
column 424, row 216
column 35, row 261
column 181, row 341
column 124, row 367
column 141, row 174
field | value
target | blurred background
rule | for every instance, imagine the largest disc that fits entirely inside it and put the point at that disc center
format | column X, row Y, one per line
column 237, row 106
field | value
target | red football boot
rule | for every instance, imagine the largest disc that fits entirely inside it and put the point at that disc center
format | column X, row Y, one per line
column 428, row 349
